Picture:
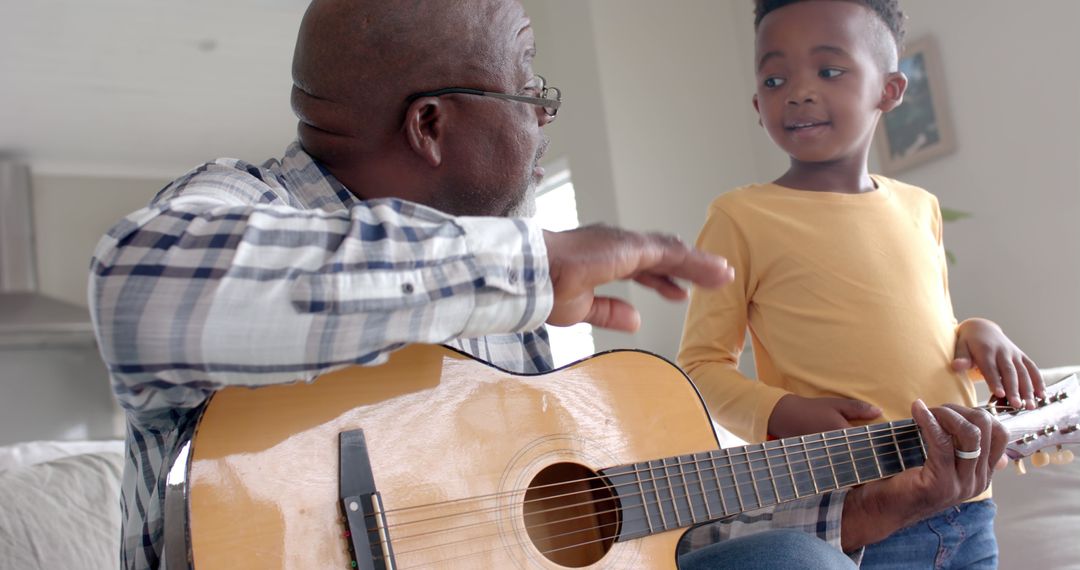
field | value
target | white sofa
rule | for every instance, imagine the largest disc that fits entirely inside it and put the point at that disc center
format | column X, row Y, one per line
column 59, row 508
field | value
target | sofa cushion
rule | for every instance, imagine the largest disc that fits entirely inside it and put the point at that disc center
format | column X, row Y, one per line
column 62, row 513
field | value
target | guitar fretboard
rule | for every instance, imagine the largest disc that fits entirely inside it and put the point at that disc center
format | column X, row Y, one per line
column 677, row 492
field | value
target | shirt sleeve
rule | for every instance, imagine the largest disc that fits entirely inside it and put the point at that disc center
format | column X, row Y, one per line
column 715, row 332
column 820, row 516
column 202, row 291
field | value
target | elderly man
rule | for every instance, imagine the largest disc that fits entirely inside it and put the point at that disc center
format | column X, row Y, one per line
column 391, row 222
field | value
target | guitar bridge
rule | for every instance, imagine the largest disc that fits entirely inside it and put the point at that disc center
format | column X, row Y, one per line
column 361, row 505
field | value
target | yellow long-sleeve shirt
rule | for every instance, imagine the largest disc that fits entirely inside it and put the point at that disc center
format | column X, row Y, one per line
column 843, row 294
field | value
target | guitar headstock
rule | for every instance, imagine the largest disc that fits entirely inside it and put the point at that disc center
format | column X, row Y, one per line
column 1053, row 423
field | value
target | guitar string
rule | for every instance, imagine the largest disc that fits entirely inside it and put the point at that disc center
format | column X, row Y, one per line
column 659, row 503
column 647, row 501
column 873, row 438
column 847, row 437
column 864, row 437
column 441, row 561
column 710, row 464
column 826, row 444
column 874, row 449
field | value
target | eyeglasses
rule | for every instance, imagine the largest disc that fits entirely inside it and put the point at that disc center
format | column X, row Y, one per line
column 550, row 98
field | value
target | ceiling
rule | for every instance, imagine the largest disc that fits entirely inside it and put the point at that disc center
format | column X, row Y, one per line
column 145, row 87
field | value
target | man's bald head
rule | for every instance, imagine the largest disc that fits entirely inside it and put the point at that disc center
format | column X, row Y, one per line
column 357, row 60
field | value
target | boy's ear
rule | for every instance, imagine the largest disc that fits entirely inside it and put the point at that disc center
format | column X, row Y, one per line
column 757, row 110
column 893, row 94
column 425, row 123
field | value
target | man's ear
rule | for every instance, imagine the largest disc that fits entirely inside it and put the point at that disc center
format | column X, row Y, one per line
column 757, row 110
column 424, row 125
column 893, row 94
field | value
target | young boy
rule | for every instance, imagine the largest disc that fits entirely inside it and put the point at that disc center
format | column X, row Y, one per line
column 841, row 275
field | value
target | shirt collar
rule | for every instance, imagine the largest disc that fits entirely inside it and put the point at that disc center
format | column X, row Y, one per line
column 310, row 182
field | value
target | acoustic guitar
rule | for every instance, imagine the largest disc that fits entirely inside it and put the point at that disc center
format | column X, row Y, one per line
column 436, row 460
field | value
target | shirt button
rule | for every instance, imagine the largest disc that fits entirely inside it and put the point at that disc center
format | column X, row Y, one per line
column 407, row 288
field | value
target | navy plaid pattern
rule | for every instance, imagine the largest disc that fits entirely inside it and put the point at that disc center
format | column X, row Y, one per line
column 237, row 274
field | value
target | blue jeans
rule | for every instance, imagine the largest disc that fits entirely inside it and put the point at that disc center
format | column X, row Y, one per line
column 960, row 537
column 773, row 550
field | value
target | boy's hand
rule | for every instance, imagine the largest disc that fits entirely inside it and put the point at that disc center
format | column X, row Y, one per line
column 795, row 415
column 1007, row 370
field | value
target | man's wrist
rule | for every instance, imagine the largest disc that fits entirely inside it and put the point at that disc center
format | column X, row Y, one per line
column 866, row 519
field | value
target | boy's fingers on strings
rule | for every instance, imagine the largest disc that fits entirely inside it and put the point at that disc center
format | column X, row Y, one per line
column 1023, row 380
column 1010, row 379
column 989, row 370
column 1037, row 382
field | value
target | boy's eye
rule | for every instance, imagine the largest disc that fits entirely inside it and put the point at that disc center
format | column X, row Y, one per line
column 830, row 73
column 773, row 82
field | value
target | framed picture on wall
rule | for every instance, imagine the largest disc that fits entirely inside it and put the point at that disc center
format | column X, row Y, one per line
column 920, row 129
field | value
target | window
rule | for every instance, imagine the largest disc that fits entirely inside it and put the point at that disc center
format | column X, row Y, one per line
column 556, row 210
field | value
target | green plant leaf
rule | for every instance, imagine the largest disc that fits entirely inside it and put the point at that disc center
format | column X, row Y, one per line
column 951, row 215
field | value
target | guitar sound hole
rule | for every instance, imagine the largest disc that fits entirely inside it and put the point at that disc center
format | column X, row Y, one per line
column 571, row 515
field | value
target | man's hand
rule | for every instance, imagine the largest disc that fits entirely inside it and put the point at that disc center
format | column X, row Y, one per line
column 581, row 260
column 1007, row 370
column 795, row 415
column 876, row 510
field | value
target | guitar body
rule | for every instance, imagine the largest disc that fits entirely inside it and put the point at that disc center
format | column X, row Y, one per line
column 453, row 446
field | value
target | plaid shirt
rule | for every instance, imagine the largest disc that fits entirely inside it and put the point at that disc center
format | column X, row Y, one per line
column 239, row 274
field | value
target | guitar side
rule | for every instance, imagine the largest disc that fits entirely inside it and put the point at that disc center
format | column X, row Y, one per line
column 441, row 428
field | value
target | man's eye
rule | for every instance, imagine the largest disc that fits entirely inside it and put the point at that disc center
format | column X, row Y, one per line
column 532, row 89
column 773, row 82
column 830, row 73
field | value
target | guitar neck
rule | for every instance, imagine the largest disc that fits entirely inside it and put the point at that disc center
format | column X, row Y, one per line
column 676, row 492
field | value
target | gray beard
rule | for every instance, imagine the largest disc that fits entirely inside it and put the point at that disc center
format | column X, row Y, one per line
column 526, row 208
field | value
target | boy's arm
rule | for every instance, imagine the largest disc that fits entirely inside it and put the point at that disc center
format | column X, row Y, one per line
column 713, row 339
column 715, row 332
column 983, row 350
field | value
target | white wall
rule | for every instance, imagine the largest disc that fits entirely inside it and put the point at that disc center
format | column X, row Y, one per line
column 70, row 216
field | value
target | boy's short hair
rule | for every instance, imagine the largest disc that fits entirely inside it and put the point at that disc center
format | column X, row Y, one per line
column 888, row 10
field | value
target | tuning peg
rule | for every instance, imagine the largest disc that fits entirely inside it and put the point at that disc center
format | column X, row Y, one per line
column 1020, row 469
column 1062, row 456
column 1040, row 459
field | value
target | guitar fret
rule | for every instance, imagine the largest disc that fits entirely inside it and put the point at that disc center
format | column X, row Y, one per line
column 785, row 463
column 873, row 452
column 701, row 482
column 753, row 478
column 719, row 483
column 735, row 479
column 809, row 466
column 859, row 441
column 644, row 505
column 772, row 476
column 656, row 491
column 882, row 445
column 851, row 454
column 896, row 442
column 828, row 455
column 752, row 472
column 671, row 490
column 686, row 487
